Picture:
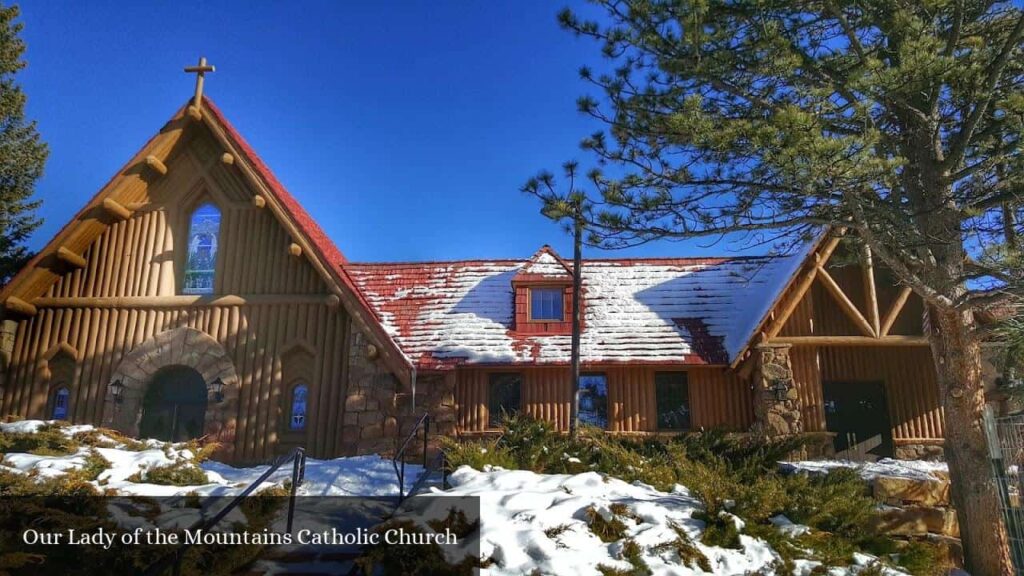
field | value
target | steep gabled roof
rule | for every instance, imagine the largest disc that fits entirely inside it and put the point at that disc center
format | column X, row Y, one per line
column 128, row 187
column 697, row 311
column 329, row 256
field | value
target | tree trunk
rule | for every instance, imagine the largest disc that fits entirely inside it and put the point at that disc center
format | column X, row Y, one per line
column 957, row 355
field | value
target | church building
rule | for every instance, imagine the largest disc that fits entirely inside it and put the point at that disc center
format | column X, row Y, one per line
column 193, row 296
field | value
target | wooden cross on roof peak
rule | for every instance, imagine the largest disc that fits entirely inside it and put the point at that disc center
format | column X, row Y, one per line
column 200, row 71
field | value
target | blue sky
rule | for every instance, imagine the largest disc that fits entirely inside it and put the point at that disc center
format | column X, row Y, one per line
column 405, row 128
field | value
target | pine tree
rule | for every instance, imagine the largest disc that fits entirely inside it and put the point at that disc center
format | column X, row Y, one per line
column 897, row 120
column 22, row 152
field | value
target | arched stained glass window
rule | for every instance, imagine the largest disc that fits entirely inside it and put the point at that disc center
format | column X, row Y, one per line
column 60, row 403
column 203, row 230
column 298, row 419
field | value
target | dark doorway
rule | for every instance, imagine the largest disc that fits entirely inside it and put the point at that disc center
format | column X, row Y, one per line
column 859, row 416
column 174, row 408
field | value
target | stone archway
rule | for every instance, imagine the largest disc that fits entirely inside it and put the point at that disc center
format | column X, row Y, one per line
column 178, row 347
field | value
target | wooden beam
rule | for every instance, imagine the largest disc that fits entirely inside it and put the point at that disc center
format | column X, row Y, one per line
column 801, row 289
column 68, row 257
column 181, row 301
column 870, row 291
column 894, row 310
column 259, row 201
column 15, row 304
column 227, row 158
column 115, row 209
column 850, row 341
column 194, row 113
column 294, row 249
column 157, row 166
column 844, row 302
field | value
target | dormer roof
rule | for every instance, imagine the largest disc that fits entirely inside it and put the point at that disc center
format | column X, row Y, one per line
column 545, row 266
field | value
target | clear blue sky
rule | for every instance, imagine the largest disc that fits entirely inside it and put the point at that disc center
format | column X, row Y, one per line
column 405, row 128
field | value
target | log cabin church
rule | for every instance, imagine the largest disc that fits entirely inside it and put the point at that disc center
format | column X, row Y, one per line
column 194, row 296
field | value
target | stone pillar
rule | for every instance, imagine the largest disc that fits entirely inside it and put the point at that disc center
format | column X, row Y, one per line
column 776, row 397
column 371, row 410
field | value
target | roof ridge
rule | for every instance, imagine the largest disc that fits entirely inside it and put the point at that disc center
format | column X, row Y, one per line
column 367, row 263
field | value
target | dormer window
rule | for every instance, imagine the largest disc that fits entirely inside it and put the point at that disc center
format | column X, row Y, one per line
column 546, row 304
column 542, row 293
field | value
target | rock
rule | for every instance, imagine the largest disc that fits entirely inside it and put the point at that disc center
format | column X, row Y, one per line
column 918, row 521
column 776, row 372
column 895, row 490
column 355, row 402
column 372, row 432
column 369, row 418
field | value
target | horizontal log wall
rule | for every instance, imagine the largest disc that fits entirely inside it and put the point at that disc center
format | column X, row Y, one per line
column 718, row 399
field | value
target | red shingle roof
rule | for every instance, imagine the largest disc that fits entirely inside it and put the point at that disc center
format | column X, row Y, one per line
column 677, row 310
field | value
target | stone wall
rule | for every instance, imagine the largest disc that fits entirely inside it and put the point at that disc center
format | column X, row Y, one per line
column 776, row 413
column 932, row 452
column 918, row 508
column 372, row 408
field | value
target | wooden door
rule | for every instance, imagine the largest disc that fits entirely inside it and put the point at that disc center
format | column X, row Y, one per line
column 858, row 414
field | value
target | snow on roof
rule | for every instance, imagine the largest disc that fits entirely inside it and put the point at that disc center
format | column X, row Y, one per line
column 677, row 310
column 545, row 264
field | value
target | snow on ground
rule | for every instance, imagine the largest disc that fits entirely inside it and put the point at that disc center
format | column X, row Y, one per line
column 360, row 475
column 353, row 476
column 529, row 521
column 539, row 522
column 912, row 469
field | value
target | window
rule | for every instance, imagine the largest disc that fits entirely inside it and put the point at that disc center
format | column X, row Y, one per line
column 673, row 399
column 60, row 403
column 202, row 250
column 546, row 304
column 503, row 397
column 298, row 419
column 594, row 400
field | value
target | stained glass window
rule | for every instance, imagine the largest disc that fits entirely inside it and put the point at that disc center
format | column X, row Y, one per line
column 60, row 403
column 594, row 400
column 202, row 250
column 298, row 419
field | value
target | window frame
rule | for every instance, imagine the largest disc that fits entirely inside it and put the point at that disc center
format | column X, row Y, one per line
column 558, row 290
column 685, row 377
column 189, row 215
column 492, row 377
column 607, row 402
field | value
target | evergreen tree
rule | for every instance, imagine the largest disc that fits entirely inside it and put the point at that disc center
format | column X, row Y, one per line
column 22, row 152
column 897, row 120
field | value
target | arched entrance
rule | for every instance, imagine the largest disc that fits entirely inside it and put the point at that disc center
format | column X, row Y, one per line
column 174, row 407
column 177, row 348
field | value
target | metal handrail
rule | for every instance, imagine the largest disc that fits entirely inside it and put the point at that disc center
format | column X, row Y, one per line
column 298, row 458
column 398, row 460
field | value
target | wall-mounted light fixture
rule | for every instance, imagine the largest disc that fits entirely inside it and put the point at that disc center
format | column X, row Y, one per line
column 117, row 391
column 217, row 387
column 779, row 389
